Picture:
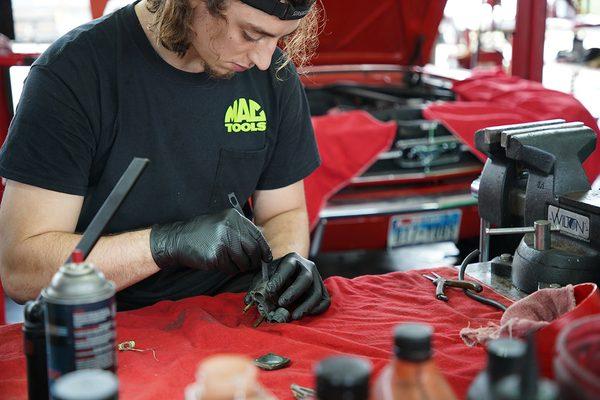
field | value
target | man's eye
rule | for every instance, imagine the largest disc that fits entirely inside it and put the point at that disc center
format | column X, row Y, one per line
column 249, row 38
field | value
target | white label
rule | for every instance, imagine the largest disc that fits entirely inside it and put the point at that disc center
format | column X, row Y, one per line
column 94, row 337
column 570, row 223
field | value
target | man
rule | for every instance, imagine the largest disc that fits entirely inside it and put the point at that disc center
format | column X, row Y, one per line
column 200, row 88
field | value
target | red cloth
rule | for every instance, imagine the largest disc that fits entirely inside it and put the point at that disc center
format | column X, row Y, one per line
column 359, row 322
column 529, row 314
column 497, row 99
column 2, row 306
column 349, row 143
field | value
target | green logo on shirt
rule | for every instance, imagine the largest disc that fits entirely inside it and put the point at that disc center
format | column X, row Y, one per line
column 245, row 115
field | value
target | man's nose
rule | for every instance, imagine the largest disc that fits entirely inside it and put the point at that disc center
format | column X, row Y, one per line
column 262, row 54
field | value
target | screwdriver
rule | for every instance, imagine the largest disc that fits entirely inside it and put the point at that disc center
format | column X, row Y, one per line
column 236, row 204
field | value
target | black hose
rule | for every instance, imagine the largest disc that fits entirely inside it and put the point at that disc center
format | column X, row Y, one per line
column 470, row 293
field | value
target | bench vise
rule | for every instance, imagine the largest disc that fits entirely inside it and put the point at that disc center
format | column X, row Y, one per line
column 533, row 183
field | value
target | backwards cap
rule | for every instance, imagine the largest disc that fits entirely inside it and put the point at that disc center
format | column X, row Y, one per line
column 284, row 11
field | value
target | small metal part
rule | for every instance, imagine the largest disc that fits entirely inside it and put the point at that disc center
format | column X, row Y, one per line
column 546, row 285
column 502, row 265
column 236, row 204
column 127, row 345
column 517, row 230
column 463, row 284
column 258, row 321
column 484, row 239
column 541, row 236
column 301, row 392
column 439, row 289
column 271, row 361
column 266, row 304
column 442, row 282
column 505, row 257
column 247, row 307
column 280, row 315
column 475, row 187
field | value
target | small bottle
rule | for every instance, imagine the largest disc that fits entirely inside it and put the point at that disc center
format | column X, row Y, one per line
column 528, row 385
column 505, row 357
column 227, row 377
column 342, row 377
column 412, row 374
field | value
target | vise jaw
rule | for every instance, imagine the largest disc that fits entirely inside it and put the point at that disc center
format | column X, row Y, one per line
column 529, row 165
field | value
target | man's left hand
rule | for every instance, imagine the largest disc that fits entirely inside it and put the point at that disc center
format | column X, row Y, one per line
column 298, row 286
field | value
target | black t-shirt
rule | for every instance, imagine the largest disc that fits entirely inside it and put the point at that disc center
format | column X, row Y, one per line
column 101, row 95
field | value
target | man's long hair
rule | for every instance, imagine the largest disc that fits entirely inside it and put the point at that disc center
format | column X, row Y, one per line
column 173, row 18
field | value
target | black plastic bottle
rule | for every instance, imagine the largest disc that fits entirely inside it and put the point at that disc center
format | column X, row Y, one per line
column 342, row 377
column 34, row 347
column 527, row 385
column 505, row 357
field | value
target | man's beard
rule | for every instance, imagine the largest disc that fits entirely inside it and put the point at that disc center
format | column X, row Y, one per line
column 217, row 75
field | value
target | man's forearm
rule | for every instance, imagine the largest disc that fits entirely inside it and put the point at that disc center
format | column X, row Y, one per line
column 124, row 259
column 288, row 232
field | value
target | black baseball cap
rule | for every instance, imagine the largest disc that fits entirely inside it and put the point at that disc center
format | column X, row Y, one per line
column 284, row 11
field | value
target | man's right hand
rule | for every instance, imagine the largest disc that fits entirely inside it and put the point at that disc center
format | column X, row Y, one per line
column 225, row 241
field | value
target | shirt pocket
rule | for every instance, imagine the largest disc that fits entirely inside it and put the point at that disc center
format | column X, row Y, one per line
column 238, row 171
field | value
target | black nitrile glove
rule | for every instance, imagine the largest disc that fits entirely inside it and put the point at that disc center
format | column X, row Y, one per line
column 225, row 241
column 297, row 286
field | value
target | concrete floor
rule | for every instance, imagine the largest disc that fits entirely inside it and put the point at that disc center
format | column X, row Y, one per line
column 350, row 264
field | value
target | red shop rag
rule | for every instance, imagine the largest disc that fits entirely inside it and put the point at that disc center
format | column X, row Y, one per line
column 349, row 143
column 497, row 99
column 529, row 314
column 359, row 323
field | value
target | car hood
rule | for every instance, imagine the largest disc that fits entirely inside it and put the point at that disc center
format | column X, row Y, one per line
column 378, row 31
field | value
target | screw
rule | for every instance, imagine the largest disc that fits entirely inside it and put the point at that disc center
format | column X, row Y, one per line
column 505, row 257
column 248, row 307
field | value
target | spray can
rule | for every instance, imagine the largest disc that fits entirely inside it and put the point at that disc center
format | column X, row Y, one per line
column 79, row 319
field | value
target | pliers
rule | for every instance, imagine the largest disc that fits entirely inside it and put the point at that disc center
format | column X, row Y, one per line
column 442, row 282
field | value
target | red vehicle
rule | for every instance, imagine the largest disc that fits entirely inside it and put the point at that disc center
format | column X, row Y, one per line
column 418, row 191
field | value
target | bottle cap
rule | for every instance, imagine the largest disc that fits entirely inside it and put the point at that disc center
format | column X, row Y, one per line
column 527, row 384
column 77, row 256
column 412, row 342
column 342, row 377
column 86, row 384
column 505, row 357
